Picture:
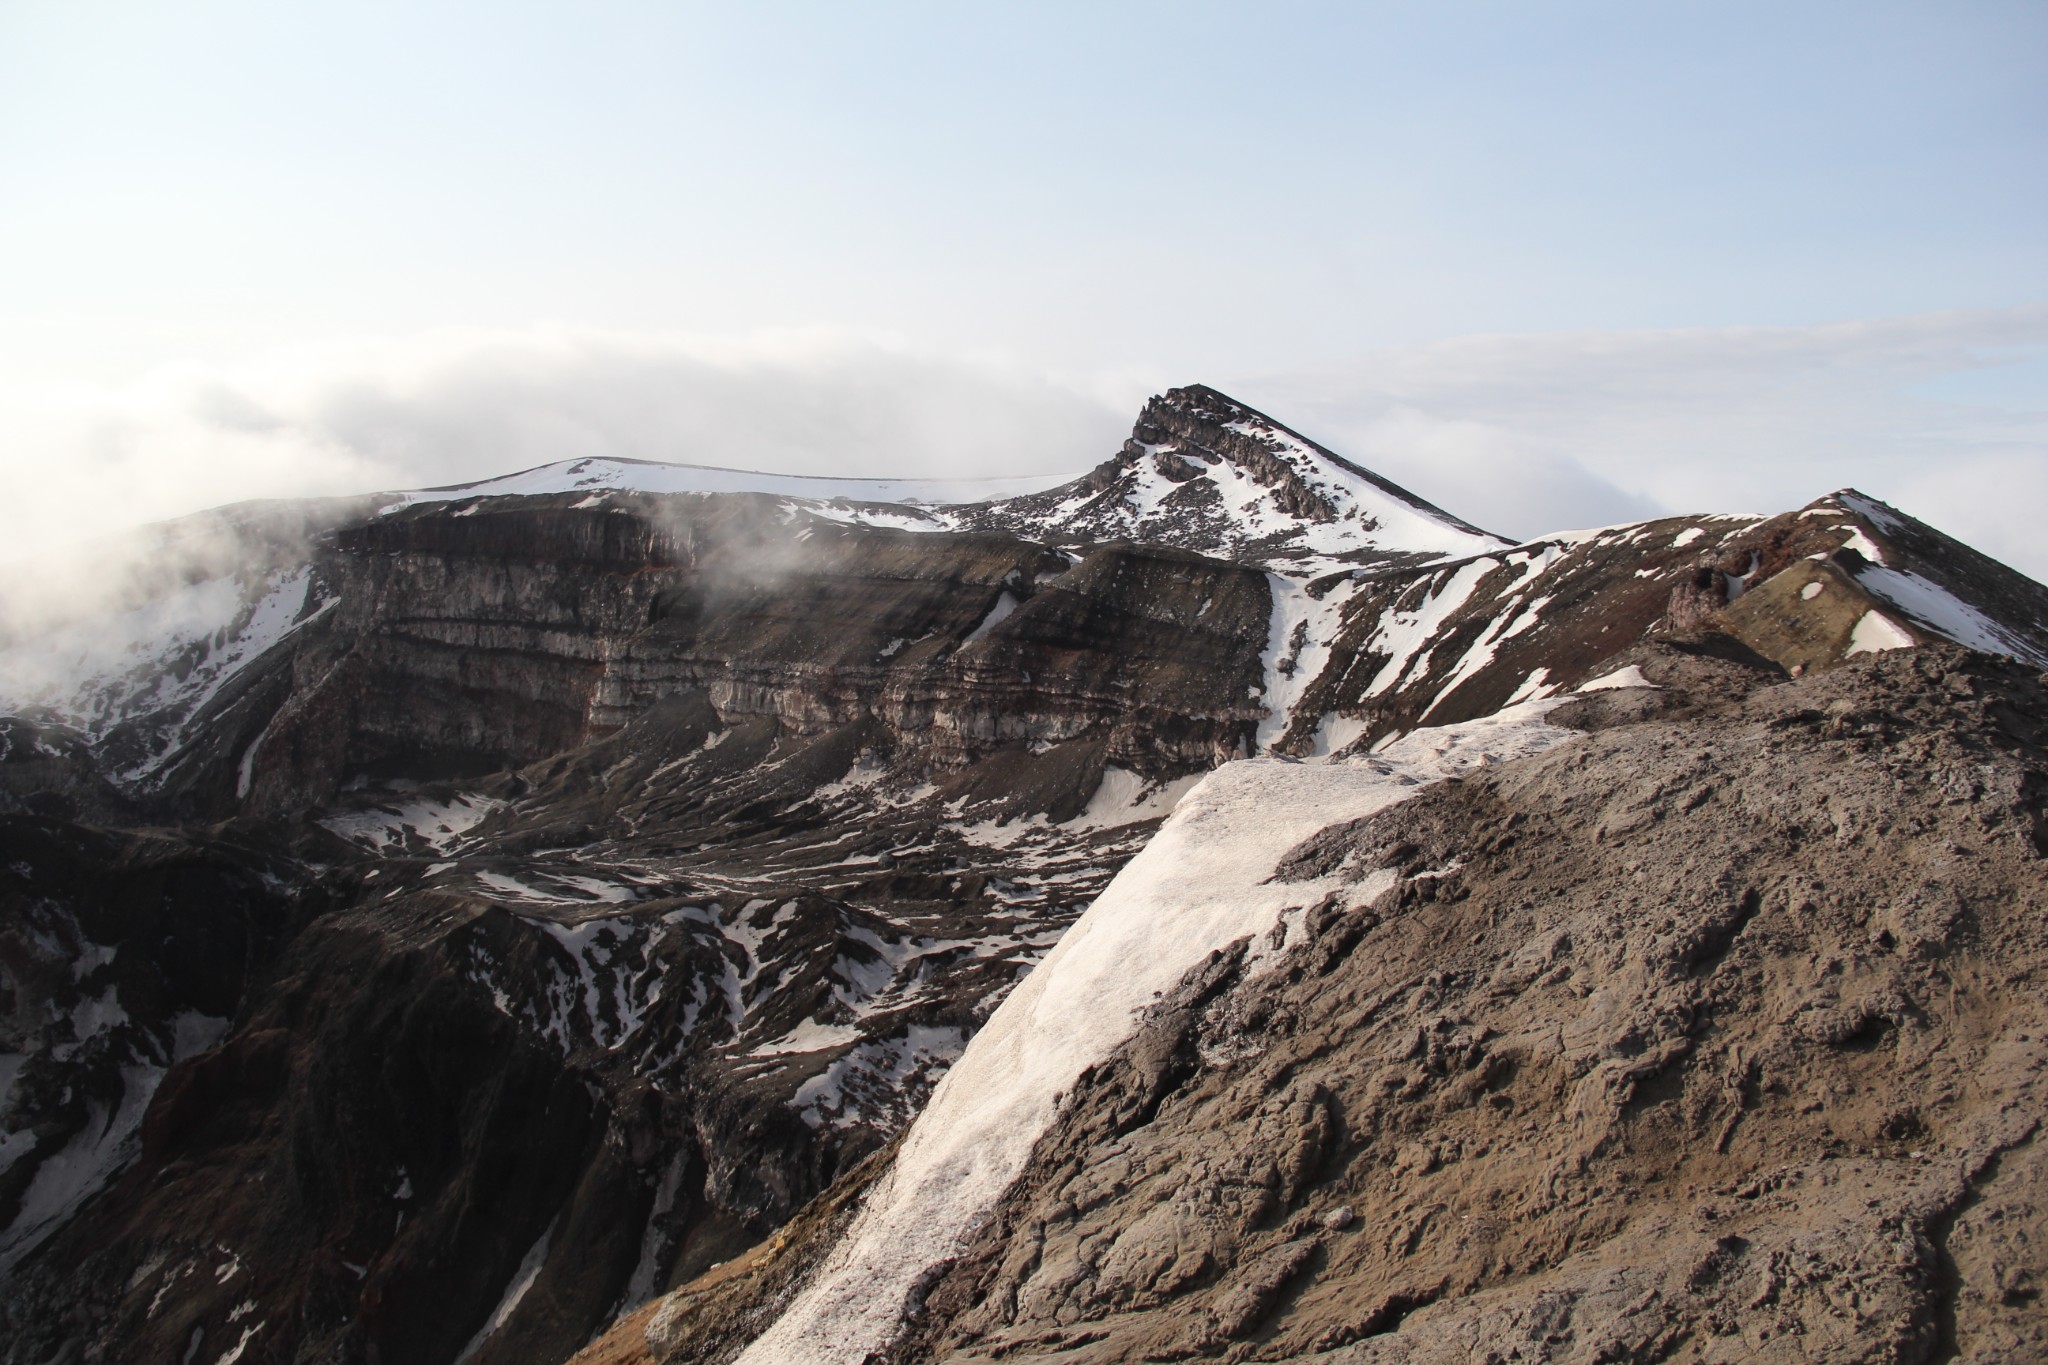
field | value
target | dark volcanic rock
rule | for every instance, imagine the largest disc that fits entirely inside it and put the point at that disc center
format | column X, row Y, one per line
column 472, row 642
column 121, row 955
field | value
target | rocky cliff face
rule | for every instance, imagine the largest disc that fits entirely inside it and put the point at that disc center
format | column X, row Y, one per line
column 465, row 915
column 664, row 892
column 513, row 629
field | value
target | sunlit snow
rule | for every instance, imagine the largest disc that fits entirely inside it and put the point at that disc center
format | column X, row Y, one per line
column 1632, row 676
column 1874, row 631
column 647, row 476
column 1933, row 605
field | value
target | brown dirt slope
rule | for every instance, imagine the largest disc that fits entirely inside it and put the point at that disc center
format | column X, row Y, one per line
column 1716, row 1035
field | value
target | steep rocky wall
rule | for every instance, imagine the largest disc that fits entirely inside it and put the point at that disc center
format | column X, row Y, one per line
column 495, row 633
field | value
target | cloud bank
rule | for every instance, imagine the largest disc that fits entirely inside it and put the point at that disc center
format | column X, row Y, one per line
column 1522, row 434
column 1526, row 434
column 450, row 407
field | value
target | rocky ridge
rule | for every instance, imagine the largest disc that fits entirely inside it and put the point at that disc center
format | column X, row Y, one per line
column 1711, row 1036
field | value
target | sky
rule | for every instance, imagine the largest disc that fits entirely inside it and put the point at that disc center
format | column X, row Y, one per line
column 1551, row 264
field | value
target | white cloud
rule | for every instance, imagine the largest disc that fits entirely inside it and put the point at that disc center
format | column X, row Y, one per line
column 1528, row 433
column 1522, row 434
column 453, row 406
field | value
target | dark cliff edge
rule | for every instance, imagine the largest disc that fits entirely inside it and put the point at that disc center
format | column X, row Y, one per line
column 472, row 643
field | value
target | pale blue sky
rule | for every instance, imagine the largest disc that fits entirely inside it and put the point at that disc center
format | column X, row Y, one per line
column 1303, row 202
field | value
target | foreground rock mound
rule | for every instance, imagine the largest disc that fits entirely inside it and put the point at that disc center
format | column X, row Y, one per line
column 1715, row 1035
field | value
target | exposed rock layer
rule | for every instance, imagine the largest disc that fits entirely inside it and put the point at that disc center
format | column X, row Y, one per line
column 466, row 644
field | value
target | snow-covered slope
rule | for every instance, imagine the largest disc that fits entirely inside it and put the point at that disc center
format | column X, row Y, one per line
column 1847, row 574
column 134, row 644
column 647, row 476
column 165, row 659
column 1940, row 585
column 1202, row 883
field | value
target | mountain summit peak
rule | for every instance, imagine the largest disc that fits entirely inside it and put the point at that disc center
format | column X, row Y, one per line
column 1205, row 472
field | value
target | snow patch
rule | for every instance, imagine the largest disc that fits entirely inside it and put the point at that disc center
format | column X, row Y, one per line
column 1124, row 798
column 1862, row 544
column 1875, row 631
column 648, row 476
column 1402, row 634
column 234, row 1353
column 1005, row 604
column 809, row 1036
column 1335, row 733
column 1870, row 510
column 877, row 1075
column 566, row 889
column 1300, row 632
column 1505, row 627
column 522, row 1280
column 67, row 1178
column 1632, row 676
column 439, row 825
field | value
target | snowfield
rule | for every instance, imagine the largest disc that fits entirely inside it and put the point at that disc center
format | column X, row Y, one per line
column 647, row 476
column 1199, row 885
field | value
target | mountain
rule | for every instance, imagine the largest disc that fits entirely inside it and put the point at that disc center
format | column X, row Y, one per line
column 1203, row 472
column 440, row 925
